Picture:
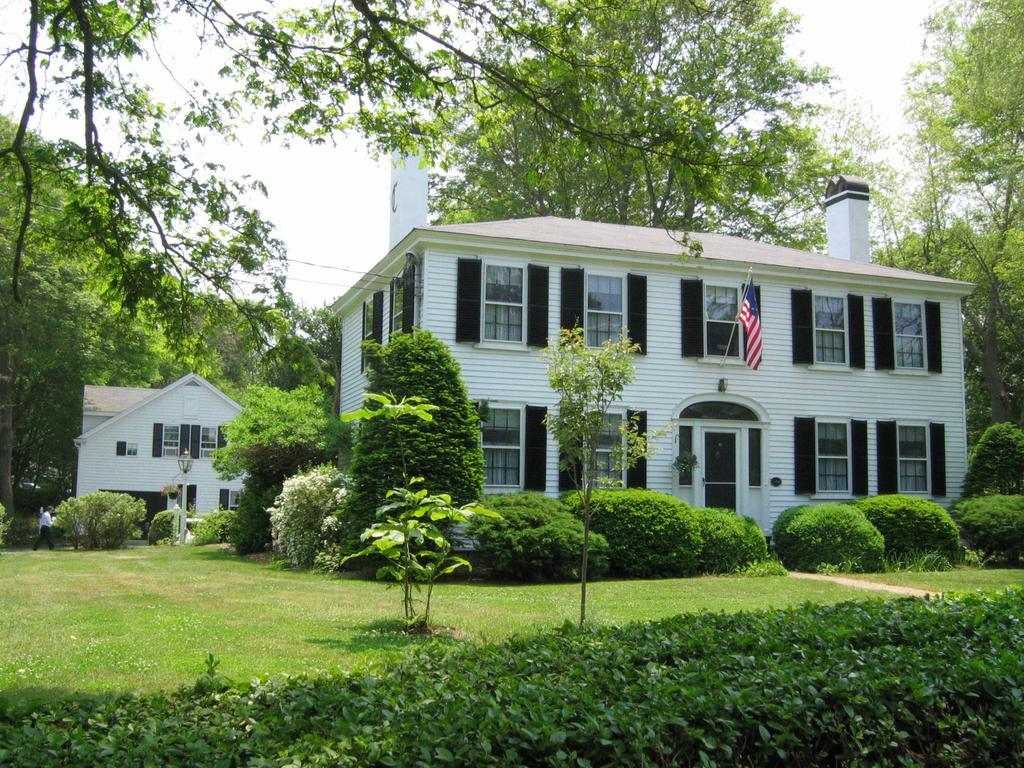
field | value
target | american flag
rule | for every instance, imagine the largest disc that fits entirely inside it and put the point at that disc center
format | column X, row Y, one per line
column 750, row 318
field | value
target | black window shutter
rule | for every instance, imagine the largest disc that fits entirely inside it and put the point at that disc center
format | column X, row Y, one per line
column 636, row 300
column 408, row 298
column 194, row 441
column 158, row 440
column 391, row 304
column 378, row 317
column 805, row 472
column 937, row 433
column 121, row 449
column 190, row 497
column 535, row 462
column 467, row 298
column 933, row 335
column 888, row 459
column 184, row 433
column 572, row 298
column 225, row 498
column 859, row 438
column 802, row 319
column 221, row 440
column 537, row 312
column 565, row 475
column 636, row 475
column 855, row 312
column 885, row 355
column 692, row 299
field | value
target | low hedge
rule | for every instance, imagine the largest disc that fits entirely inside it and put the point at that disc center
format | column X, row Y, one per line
column 101, row 519
column 161, row 528
column 808, row 537
column 536, row 539
column 649, row 533
column 912, row 525
column 214, row 527
column 880, row 683
column 728, row 541
column 993, row 524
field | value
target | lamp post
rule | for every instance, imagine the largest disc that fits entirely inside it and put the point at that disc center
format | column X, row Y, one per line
column 185, row 465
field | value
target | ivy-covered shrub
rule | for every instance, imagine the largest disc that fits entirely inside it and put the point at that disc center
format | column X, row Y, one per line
column 837, row 535
column 868, row 683
column 101, row 520
column 536, row 539
column 445, row 452
column 214, row 527
column 911, row 525
column 648, row 533
column 994, row 525
column 161, row 528
column 997, row 462
column 298, row 514
column 728, row 541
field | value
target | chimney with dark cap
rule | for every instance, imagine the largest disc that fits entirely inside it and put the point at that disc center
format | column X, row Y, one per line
column 846, row 218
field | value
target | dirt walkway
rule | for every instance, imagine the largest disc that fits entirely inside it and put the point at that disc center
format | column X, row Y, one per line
column 846, row 581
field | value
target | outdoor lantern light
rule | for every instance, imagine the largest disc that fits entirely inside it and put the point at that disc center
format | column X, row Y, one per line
column 723, row 384
column 185, row 463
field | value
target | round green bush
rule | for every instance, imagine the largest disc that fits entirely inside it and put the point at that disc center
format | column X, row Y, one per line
column 649, row 533
column 101, row 520
column 912, row 525
column 298, row 514
column 993, row 524
column 728, row 541
column 997, row 462
column 536, row 539
column 161, row 528
column 839, row 535
column 214, row 528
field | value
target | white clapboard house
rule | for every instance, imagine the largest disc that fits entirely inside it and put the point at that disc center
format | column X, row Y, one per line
column 861, row 388
column 132, row 438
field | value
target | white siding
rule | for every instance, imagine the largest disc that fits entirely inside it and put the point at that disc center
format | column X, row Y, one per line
column 99, row 468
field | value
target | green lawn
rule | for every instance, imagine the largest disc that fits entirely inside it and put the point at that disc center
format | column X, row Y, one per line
column 959, row 580
column 144, row 619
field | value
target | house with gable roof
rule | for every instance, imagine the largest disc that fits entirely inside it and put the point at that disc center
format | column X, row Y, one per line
column 132, row 438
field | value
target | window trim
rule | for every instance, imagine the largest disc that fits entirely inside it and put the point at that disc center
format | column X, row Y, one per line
column 177, row 441
column 236, row 495
column 521, row 408
column 621, row 277
column 717, row 356
column 845, row 492
column 367, row 330
column 205, row 453
column 896, row 336
column 927, row 458
column 395, row 292
column 523, row 305
column 620, row 413
column 845, row 363
column 131, row 449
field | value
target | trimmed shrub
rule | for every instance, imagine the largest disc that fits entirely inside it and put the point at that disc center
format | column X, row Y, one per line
column 911, row 525
column 836, row 535
column 161, row 528
column 536, row 539
column 298, row 514
column 101, row 520
column 214, row 528
column 997, row 462
column 869, row 683
column 994, row 525
column 445, row 452
column 250, row 528
column 728, row 542
column 649, row 533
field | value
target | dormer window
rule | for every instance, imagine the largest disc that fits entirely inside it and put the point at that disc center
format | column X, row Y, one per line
column 908, row 326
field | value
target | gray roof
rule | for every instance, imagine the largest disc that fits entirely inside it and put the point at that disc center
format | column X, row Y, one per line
column 113, row 399
column 651, row 240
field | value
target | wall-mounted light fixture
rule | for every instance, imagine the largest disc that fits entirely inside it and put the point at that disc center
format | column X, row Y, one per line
column 723, row 384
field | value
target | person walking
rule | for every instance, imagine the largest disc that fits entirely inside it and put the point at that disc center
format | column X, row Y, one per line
column 45, row 528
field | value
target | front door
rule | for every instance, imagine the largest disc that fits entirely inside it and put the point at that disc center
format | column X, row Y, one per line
column 720, row 469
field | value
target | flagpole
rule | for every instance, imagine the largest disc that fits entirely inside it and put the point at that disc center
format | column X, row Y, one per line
column 736, row 320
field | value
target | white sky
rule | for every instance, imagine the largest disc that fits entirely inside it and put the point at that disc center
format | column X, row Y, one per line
column 329, row 204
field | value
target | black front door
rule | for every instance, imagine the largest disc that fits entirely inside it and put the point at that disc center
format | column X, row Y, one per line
column 720, row 469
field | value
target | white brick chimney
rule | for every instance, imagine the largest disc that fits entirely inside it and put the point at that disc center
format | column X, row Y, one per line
column 407, row 196
column 846, row 218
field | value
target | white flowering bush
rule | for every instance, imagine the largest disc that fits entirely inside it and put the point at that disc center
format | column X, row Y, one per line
column 298, row 514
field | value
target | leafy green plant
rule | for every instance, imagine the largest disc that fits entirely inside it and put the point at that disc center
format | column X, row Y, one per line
column 997, row 462
column 728, row 542
column 535, row 539
column 162, row 527
column 298, row 514
column 831, row 536
column 917, row 562
column 910, row 524
column 769, row 566
column 5, row 523
column 994, row 525
column 214, row 527
column 101, row 520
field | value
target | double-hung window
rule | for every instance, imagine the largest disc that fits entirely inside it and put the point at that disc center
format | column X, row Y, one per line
column 207, row 442
column 367, row 329
column 501, row 444
column 172, row 439
column 908, row 322
column 833, row 456
column 721, row 327
column 233, row 497
column 829, row 329
column 913, row 458
column 604, row 309
column 131, row 449
column 397, row 304
column 503, row 303
column 609, row 451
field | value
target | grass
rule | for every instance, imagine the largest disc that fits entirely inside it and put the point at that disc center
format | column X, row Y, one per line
column 144, row 619
column 957, row 580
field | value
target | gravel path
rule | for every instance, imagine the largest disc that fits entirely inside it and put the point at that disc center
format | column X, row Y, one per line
column 846, row 581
